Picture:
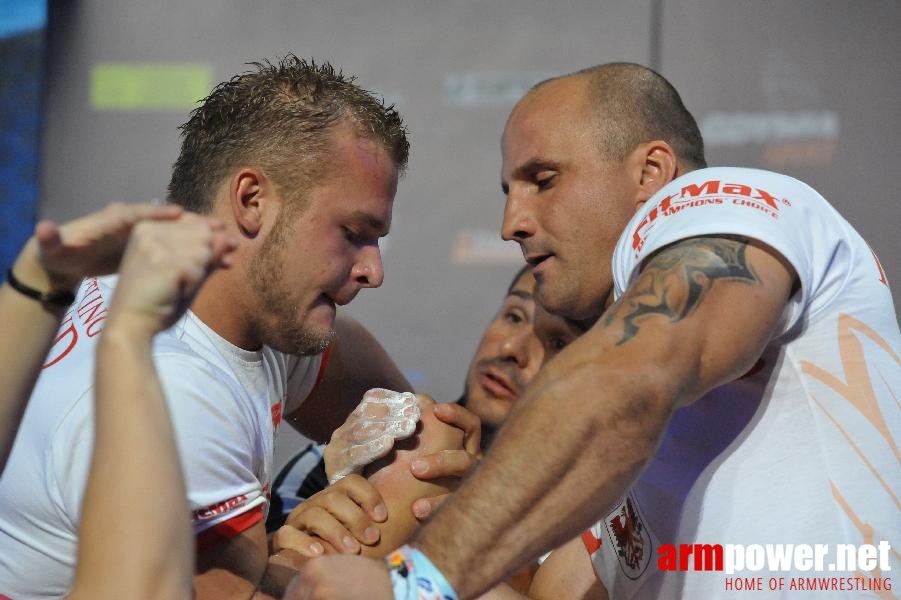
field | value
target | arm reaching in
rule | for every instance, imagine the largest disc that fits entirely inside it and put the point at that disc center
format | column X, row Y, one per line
column 383, row 417
column 698, row 316
column 53, row 262
column 453, row 462
column 347, row 514
column 392, row 478
column 135, row 463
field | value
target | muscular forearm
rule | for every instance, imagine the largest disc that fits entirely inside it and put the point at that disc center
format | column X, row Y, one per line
column 149, row 546
column 537, row 488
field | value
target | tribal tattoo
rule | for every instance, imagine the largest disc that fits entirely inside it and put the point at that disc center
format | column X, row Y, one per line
column 675, row 281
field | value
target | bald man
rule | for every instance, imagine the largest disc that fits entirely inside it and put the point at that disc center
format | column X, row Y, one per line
column 741, row 388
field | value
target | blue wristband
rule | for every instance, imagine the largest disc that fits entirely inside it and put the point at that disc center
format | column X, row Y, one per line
column 414, row 577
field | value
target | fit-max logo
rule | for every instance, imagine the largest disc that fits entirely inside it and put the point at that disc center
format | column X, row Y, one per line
column 713, row 192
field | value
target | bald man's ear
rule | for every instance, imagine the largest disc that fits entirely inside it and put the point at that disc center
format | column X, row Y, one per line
column 659, row 167
column 247, row 193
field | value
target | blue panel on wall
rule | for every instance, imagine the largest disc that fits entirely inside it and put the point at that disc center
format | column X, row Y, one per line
column 21, row 83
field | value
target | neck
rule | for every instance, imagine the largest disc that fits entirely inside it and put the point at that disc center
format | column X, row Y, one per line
column 488, row 435
column 222, row 304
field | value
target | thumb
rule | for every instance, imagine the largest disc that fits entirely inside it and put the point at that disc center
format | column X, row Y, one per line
column 48, row 236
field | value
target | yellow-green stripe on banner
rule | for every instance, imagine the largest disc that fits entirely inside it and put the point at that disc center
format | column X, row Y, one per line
column 123, row 86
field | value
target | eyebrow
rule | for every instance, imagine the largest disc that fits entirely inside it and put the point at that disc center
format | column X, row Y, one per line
column 520, row 294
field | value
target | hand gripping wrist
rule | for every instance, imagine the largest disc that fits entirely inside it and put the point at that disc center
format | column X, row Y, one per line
column 415, row 577
column 382, row 417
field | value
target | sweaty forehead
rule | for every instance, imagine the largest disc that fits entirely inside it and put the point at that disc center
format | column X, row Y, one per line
column 561, row 99
column 370, row 153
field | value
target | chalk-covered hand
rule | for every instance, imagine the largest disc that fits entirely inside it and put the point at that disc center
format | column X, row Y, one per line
column 382, row 417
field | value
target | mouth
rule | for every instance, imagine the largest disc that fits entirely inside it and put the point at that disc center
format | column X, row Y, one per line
column 326, row 300
column 497, row 384
column 336, row 301
column 537, row 261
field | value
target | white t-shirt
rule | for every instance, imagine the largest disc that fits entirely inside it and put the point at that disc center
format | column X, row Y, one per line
column 225, row 404
column 802, row 450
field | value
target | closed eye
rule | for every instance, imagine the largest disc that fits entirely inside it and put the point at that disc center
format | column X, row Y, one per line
column 350, row 235
column 357, row 238
column 545, row 182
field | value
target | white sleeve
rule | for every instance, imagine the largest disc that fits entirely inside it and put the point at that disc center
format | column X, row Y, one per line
column 777, row 210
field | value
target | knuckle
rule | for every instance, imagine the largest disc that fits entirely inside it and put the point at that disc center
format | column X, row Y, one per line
column 282, row 536
column 327, row 503
column 300, row 516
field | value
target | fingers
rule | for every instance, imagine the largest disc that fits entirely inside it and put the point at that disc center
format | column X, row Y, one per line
column 288, row 538
column 223, row 245
column 424, row 507
column 367, row 452
column 48, row 236
column 365, row 495
column 458, row 416
column 141, row 211
column 342, row 514
column 93, row 244
column 386, row 406
column 163, row 267
column 281, row 568
column 289, row 558
column 327, row 525
column 340, row 577
column 382, row 417
column 118, row 216
column 343, row 458
column 384, row 411
column 446, row 463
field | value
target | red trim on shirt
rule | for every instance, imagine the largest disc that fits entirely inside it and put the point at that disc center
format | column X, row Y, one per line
column 322, row 365
column 226, row 530
column 276, row 415
column 592, row 544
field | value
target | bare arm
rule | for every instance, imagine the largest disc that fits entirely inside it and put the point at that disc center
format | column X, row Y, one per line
column 135, row 462
column 388, row 480
column 698, row 316
column 55, row 259
column 567, row 573
column 357, row 363
column 29, row 333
